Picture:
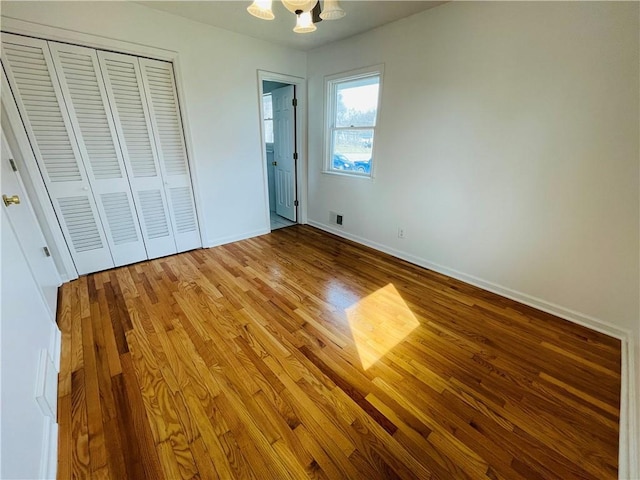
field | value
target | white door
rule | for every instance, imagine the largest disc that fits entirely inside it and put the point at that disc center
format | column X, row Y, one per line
column 160, row 89
column 30, row 72
column 28, row 436
column 86, row 99
column 25, row 225
column 123, row 81
column 284, row 148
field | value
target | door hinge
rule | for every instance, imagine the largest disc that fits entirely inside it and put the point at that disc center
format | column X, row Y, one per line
column 295, row 155
column 13, row 165
column 296, row 203
column 294, row 102
column 47, row 253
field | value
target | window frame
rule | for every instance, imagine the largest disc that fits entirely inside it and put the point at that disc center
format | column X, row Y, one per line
column 330, row 101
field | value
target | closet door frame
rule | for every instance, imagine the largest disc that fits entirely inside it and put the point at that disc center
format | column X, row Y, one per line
column 30, row 29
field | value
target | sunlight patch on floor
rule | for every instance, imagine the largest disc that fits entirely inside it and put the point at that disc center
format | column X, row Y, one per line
column 378, row 323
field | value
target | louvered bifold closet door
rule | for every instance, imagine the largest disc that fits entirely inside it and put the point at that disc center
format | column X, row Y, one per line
column 123, row 82
column 160, row 87
column 29, row 68
column 83, row 88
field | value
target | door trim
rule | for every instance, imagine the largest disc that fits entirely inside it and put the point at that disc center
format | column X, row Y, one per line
column 301, row 141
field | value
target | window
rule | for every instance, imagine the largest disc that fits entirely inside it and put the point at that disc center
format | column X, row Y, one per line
column 268, row 118
column 352, row 112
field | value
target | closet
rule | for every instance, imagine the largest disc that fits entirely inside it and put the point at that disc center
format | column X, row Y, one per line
column 106, row 132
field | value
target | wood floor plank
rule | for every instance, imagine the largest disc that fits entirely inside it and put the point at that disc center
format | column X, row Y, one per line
column 301, row 355
column 80, row 459
column 65, row 438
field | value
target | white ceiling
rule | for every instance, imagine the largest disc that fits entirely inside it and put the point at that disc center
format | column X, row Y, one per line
column 362, row 15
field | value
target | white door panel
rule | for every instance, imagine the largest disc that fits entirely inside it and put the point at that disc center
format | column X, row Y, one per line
column 162, row 99
column 29, row 68
column 26, row 330
column 82, row 86
column 125, row 91
column 284, row 148
column 25, row 225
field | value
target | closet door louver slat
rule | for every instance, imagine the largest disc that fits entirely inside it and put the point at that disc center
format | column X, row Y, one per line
column 29, row 68
column 153, row 212
column 82, row 87
column 160, row 87
column 123, row 82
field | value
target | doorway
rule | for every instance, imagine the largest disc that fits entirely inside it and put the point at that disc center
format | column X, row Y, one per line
column 280, row 133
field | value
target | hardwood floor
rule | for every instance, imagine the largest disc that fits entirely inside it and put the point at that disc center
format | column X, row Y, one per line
column 298, row 354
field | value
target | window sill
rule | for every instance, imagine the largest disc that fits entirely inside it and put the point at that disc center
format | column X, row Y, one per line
column 347, row 174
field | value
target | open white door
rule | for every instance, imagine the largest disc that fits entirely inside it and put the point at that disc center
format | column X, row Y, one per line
column 284, row 148
column 25, row 225
column 28, row 431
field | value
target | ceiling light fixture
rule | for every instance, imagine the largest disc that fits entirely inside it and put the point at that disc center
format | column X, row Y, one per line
column 308, row 12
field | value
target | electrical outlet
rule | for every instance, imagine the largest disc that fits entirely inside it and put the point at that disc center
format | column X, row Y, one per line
column 400, row 232
column 336, row 218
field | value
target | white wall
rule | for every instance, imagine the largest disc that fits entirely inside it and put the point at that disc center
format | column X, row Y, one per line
column 218, row 70
column 507, row 149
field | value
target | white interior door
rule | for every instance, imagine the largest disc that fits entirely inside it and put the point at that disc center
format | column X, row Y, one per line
column 160, row 89
column 28, row 435
column 29, row 68
column 284, row 148
column 25, row 225
column 123, row 82
column 86, row 99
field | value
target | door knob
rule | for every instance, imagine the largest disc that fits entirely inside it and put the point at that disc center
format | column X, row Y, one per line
column 13, row 200
column 274, row 163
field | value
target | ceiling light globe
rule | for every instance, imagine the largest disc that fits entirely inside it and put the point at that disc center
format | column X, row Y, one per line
column 332, row 10
column 261, row 9
column 304, row 23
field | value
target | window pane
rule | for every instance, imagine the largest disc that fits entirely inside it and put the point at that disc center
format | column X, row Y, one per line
column 268, row 131
column 267, row 102
column 268, row 106
column 357, row 102
column 352, row 150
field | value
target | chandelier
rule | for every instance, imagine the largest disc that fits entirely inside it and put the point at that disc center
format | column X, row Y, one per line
column 308, row 12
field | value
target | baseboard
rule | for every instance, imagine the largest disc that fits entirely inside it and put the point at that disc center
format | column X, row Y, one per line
column 236, row 238
column 49, row 460
column 629, row 461
column 55, row 344
column 571, row 315
column 65, row 278
column 629, row 404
